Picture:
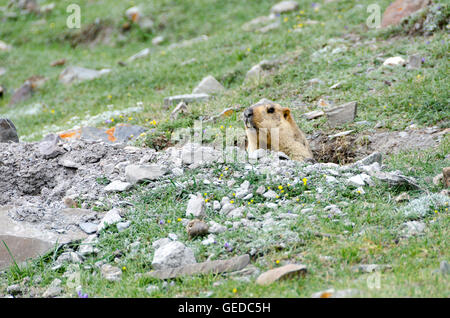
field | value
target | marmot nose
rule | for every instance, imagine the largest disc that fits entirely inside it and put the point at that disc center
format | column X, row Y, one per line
column 248, row 113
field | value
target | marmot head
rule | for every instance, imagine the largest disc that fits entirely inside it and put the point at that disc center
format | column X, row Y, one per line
column 267, row 114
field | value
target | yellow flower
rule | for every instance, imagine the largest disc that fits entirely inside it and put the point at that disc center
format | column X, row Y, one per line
column 124, row 268
column 179, row 219
column 52, row 111
column 316, row 9
column 52, row 25
column 302, row 12
column 206, row 200
column 280, row 187
column 221, row 175
column 297, row 199
column 282, row 191
column 234, row 194
column 232, row 201
column 300, row 25
column 249, row 49
column 112, row 119
column 286, row 19
column 130, row 118
column 305, row 181
column 277, row 196
column 277, row 261
column 251, row 200
column 234, row 290
column 169, row 221
column 226, row 168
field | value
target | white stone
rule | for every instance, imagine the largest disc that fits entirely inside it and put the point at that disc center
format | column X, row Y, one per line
column 78, row 74
column 270, row 194
column 118, row 186
column 141, row 54
column 216, row 228
column 138, row 173
column 394, row 61
column 111, row 217
column 208, row 85
column 171, row 255
column 111, row 273
column 196, row 207
column 284, row 6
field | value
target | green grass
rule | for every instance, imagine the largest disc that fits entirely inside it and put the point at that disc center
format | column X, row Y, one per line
column 419, row 96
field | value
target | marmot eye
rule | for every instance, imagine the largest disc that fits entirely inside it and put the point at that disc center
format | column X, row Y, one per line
column 271, row 110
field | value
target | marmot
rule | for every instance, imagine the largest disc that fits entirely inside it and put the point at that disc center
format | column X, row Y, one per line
column 260, row 120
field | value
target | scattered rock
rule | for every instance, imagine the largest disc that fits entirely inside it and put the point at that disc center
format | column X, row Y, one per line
column 394, row 61
column 400, row 9
column 413, row 228
column 415, row 61
column 49, row 147
column 196, row 228
column 314, row 114
column 258, row 23
column 208, row 85
column 87, row 246
column 216, row 228
column 78, row 74
column 286, row 271
column 118, row 186
column 158, row 40
column 140, row 173
column 54, row 289
column 187, row 98
column 341, row 114
column 171, row 255
column 14, row 289
column 111, row 217
column 438, row 179
column 284, row 6
column 88, row 227
column 141, row 54
column 204, row 268
column 254, row 74
column 8, row 131
column 187, row 43
column 343, row 133
column 196, row 207
column 444, row 267
column 22, row 94
column 270, row 194
column 180, row 109
column 270, row 27
column 111, row 273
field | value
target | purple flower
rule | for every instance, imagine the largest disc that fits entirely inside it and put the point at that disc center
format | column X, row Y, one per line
column 427, row 42
column 423, row 60
column 81, row 295
column 227, row 245
column 313, row 5
column 443, row 42
column 359, row 65
column 289, row 211
column 346, row 27
column 161, row 222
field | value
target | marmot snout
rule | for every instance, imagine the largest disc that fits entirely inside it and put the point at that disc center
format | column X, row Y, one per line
column 268, row 125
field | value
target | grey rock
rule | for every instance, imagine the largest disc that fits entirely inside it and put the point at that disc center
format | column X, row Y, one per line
column 444, row 267
column 141, row 54
column 284, row 6
column 8, row 131
column 49, row 148
column 171, row 255
column 122, row 226
column 118, row 186
column 54, row 289
column 314, row 114
column 414, row 61
column 161, row 242
column 87, row 246
column 254, row 74
column 187, row 98
column 158, row 40
column 78, row 74
column 204, row 268
column 216, row 228
column 290, row 270
column 342, row 114
column 196, row 207
column 270, row 194
column 111, row 273
column 111, row 217
column 14, row 289
column 180, row 109
column 88, row 227
column 413, row 228
column 139, row 173
column 208, row 85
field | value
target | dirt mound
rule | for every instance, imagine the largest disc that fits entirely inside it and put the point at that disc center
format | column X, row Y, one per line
column 427, row 21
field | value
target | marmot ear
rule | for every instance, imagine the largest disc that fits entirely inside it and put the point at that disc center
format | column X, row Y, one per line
column 286, row 112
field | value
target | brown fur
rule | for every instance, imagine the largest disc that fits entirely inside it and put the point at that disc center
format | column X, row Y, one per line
column 261, row 118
